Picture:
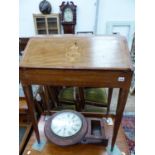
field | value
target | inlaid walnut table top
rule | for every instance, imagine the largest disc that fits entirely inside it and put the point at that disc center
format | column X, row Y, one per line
column 81, row 52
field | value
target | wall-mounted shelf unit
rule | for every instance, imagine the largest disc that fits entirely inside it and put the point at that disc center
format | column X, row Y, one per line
column 47, row 24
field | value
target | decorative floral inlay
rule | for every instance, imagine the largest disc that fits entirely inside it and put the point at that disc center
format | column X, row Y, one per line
column 73, row 53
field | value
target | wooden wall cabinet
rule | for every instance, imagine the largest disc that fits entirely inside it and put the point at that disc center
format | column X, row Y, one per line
column 47, row 24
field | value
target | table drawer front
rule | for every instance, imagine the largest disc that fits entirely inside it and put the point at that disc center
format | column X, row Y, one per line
column 81, row 78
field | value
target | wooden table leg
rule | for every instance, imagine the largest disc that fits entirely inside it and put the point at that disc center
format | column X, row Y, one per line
column 29, row 98
column 82, row 99
column 47, row 100
column 123, row 94
column 53, row 96
column 110, row 91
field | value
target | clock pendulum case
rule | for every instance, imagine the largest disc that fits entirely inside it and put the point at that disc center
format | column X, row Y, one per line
column 68, row 17
column 69, row 127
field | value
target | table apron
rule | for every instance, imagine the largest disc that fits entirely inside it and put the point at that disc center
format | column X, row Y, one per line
column 81, row 78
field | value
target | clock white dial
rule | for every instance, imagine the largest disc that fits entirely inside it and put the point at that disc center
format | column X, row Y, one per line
column 68, row 16
column 66, row 124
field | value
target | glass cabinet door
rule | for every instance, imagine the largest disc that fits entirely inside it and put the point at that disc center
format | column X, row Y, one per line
column 41, row 25
column 46, row 24
column 52, row 25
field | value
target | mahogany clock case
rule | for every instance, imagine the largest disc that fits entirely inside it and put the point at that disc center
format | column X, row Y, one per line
column 92, row 131
column 68, row 26
column 95, row 132
column 65, row 141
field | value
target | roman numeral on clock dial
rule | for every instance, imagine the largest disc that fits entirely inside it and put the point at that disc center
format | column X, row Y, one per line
column 66, row 124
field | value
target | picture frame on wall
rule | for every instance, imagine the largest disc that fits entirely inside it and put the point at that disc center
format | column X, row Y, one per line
column 125, row 28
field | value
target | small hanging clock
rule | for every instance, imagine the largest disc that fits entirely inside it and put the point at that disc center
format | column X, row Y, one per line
column 69, row 127
column 68, row 17
column 45, row 7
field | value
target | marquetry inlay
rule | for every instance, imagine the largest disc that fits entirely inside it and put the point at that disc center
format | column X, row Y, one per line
column 72, row 53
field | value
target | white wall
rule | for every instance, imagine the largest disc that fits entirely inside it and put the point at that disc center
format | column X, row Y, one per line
column 85, row 14
column 108, row 10
column 114, row 10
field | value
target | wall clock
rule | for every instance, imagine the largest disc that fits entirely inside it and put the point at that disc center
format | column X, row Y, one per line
column 45, row 7
column 68, row 17
column 69, row 127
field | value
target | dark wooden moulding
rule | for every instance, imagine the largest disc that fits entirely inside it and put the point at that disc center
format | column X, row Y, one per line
column 92, row 131
column 95, row 132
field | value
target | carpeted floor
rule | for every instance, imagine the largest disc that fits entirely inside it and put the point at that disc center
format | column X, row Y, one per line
column 128, row 124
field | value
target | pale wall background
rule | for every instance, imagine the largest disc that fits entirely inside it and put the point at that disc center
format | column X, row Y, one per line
column 108, row 10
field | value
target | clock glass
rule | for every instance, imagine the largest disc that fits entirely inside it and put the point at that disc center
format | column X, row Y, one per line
column 68, row 15
column 66, row 124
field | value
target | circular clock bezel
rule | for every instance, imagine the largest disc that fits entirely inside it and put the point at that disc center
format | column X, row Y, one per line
column 65, row 141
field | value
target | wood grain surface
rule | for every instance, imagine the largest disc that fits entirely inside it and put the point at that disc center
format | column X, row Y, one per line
column 77, row 52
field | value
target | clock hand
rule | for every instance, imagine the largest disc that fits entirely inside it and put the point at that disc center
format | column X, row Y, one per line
column 64, row 131
column 58, row 130
column 74, row 128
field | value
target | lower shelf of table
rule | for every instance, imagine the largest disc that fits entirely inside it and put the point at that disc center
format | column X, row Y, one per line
column 78, row 149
